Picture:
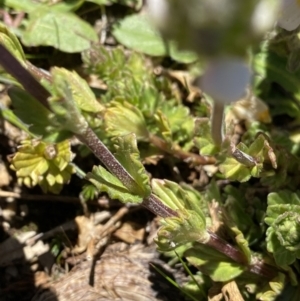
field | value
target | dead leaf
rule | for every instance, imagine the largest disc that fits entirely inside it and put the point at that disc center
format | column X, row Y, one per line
column 130, row 232
column 185, row 78
column 86, row 230
column 227, row 292
column 5, row 178
column 250, row 108
column 214, row 211
column 231, row 292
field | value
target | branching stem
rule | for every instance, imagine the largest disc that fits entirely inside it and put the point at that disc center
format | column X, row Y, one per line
column 259, row 268
column 152, row 203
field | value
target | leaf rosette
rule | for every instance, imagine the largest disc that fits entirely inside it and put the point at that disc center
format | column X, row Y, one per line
column 44, row 164
column 287, row 230
column 188, row 226
column 283, row 234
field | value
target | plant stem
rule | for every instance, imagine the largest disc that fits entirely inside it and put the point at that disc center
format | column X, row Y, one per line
column 177, row 152
column 224, row 247
column 217, row 122
column 152, row 203
column 24, row 77
column 259, row 268
column 90, row 139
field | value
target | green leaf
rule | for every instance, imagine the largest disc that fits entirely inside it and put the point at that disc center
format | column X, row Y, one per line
column 44, row 164
column 137, row 33
column 203, row 139
column 279, row 203
column 282, row 256
column 213, row 263
column 81, row 92
column 36, row 116
column 181, row 56
column 121, row 118
column 273, row 289
column 271, row 67
column 128, row 155
column 200, row 200
column 100, row 2
column 189, row 226
column 248, row 161
column 13, row 119
column 65, row 102
column 29, row 6
column 106, row 182
column 213, row 192
column 12, row 44
column 89, row 192
column 61, row 30
column 24, row 5
column 164, row 130
column 179, row 118
column 241, row 214
column 283, row 234
column 234, row 170
column 241, row 241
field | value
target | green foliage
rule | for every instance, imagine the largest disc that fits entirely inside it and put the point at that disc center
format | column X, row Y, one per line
column 122, row 118
column 61, row 30
column 283, row 234
column 189, row 226
column 89, row 192
column 134, row 103
column 128, row 155
column 203, row 139
column 46, row 165
column 213, row 263
column 273, row 289
column 244, row 217
column 37, row 123
column 136, row 32
column 54, row 25
column 141, row 113
column 71, row 96
column 30, row 6
column 12, row 43
column 248, row 161
column 72, row 101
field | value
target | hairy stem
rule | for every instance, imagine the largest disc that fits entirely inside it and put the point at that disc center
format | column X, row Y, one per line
column 90, row 139
column 152, row 203
column 33, row 87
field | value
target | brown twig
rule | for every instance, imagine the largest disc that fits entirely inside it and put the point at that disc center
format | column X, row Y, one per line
column 179, row 153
